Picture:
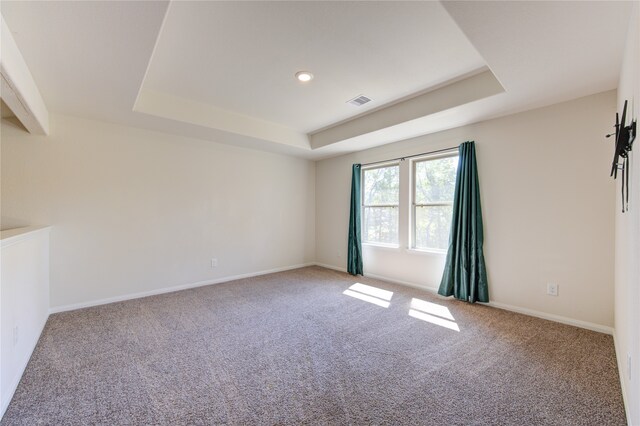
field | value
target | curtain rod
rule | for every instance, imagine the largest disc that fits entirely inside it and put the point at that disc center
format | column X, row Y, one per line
column 410, row 156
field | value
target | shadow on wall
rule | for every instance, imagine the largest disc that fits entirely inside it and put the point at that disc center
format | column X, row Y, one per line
column 7, row 223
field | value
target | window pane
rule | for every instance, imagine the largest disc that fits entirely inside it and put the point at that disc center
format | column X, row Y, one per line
column 436, row 180
column 433, row 224
column 381, row 186
column 380, row 225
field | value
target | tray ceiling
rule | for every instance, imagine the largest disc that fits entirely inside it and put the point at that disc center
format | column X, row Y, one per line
column 224, row 71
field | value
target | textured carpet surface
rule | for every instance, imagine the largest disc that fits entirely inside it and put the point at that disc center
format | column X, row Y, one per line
column 292, row 348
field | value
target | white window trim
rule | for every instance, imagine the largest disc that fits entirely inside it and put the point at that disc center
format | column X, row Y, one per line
column 393, row 247
column 412, row 204
column 363, row 205
column 426, row 252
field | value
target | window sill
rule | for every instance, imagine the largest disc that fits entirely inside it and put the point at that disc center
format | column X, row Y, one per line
column 382, row 246
column 427, row 252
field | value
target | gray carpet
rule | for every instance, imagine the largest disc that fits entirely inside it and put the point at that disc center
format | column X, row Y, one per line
column 291, row 348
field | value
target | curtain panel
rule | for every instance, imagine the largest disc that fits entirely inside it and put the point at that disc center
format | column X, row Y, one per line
column 354, row 250
column 465, row 275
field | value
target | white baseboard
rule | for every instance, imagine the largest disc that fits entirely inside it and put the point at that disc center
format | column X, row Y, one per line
column 404, row 283
column 383, row 278
column 499, row 305
column 8, row 396
column 552, row 317
column 620, row 357
column 335, row 268
column 531, row 312
column 154, row 292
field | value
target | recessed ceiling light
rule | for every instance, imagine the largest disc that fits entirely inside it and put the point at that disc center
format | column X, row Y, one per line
column 304, row 76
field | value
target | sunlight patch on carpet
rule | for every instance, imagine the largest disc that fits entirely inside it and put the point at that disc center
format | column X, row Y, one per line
column 432, row 313
column 370, row 294
column 431, row 308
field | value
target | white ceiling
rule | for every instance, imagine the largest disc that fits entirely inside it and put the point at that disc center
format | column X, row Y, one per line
column 223, row 71
column 87, row 58
column 242, row 56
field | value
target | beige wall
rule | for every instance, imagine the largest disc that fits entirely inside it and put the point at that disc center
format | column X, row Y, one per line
column 547, row 203
column 627, row 265
column 137, row 211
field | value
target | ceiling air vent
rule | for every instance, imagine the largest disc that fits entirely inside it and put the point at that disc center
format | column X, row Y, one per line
column 359, row 100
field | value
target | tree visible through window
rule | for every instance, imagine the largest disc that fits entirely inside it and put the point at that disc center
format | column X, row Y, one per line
column 380, row 198
column 434, row 186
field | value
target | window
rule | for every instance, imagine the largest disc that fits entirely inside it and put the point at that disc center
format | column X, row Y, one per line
column 434, row 183
column 380, row 198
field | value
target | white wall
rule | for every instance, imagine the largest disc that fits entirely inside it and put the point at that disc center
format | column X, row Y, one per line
column 547, row 204
column 627, row 264
column 136, row 211
column 24, row 302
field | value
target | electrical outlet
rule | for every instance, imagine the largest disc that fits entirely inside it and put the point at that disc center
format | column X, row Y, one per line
column 16, row 336
column 552, row 289
column 214, row 262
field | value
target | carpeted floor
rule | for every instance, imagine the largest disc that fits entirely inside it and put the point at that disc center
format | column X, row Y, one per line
column 292, row 348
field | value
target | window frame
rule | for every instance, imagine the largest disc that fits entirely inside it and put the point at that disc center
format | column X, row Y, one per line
column 414, row 205
column 363, row 206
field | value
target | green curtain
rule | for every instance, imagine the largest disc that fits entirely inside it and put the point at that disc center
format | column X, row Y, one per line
column 354, row 251
column 465, row 276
